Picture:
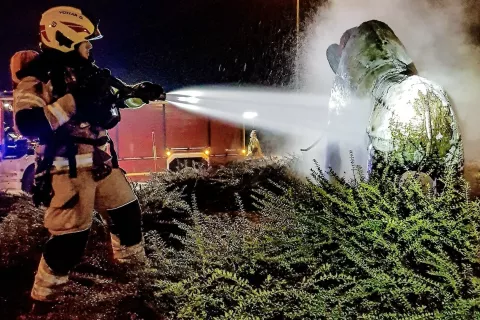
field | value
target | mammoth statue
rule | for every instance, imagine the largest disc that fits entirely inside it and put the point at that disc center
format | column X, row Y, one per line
column 409, row 117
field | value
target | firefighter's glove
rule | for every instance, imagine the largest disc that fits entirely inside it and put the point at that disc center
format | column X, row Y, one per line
column 148, row 91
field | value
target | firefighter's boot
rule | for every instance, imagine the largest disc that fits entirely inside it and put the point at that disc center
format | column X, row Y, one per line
column 60, row 255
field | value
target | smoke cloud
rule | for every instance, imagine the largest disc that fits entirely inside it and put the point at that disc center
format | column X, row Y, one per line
column 436, row 34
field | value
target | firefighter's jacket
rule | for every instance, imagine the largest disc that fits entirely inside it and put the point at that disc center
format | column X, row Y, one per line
column 32, row 95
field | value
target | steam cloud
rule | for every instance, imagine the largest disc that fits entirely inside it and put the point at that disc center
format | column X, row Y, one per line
column 435, row 33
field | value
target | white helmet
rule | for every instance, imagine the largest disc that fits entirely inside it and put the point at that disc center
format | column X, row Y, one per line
column 61, row 28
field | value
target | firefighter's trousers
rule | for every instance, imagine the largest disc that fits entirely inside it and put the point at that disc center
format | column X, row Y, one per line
column 69, row 218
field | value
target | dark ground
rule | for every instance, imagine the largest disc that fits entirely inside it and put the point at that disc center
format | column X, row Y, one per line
column 99, row 288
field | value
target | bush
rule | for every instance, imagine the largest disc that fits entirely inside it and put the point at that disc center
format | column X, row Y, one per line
column 275, row 248
column 322, row 250
column 216, row 189
column 167, row 196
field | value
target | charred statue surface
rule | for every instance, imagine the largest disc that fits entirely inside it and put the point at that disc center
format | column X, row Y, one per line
column 411, row 121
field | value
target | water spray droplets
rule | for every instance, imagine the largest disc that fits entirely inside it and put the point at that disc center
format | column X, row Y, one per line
column 280, row 111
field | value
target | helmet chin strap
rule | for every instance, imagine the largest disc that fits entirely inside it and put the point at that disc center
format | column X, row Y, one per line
column 90, row 58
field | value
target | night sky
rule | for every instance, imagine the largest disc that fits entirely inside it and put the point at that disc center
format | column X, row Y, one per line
column 175, row 43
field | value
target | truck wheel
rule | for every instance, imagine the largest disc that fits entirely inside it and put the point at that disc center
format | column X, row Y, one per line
column 182, row 163
column 28, row 179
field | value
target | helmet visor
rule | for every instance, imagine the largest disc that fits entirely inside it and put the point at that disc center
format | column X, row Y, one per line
column 96, row 33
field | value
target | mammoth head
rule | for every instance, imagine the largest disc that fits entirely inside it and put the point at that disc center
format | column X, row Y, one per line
column 368, row 51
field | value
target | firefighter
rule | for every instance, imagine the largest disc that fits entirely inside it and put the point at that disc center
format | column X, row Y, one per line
column 63, row 99
column 254, row 149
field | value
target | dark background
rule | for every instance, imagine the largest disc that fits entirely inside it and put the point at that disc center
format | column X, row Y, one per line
column 175, row 43
column 180, row 43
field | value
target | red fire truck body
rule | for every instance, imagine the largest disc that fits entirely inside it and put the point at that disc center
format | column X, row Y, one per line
column 157, row 137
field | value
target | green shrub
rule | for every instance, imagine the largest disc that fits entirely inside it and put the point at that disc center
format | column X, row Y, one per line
column 167, row 196
column 216, row 189
column 322, row 250
column 279, row 248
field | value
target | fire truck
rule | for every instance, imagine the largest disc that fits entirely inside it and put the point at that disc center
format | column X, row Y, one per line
column 160, row 136
column 154, row 138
